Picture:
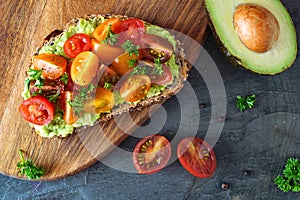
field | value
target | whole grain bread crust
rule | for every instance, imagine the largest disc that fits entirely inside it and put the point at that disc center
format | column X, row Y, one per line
column 166, row 94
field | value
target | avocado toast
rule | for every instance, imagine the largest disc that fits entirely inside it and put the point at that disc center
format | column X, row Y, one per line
column 97, row 67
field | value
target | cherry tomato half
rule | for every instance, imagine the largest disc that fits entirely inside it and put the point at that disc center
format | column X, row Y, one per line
column 197, row 157
column 130, row 29
column 76, row 44
column 135, row 87
column 53, row 66
column 121, row 63
column 106, row 53
column 84, row 68
column 37, row 110
column 69, row 116
column 102, row 101
column 102, row 29
column 151, row 154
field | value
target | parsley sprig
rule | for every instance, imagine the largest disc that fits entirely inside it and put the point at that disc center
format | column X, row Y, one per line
column 29, row 169
column 110, row 37
column 158, row 67
column 77, row 102
column 290, row 181
column 65, row 78
column 34, row 75
column 130, row 48
column 245, row 102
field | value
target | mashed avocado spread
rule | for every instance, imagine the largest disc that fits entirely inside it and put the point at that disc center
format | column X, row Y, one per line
column 58, row 127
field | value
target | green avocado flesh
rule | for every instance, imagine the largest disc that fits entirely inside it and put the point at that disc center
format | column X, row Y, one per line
column 58, row 127
column 283, row 52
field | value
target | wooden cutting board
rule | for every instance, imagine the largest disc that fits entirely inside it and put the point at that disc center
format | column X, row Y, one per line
column 24, row 25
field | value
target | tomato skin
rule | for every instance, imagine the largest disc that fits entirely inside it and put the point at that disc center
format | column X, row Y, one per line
column 135, row 87
column 102, row 101
column 101, row 30
column 148, row 150
column 37, row 110
column 106, row 53
column 130, row 29
column 69, row 116
column 76, row 44
column 107, row 74
column 53, row 66
column 189, row 152
column 84, row 68
column 121, row 64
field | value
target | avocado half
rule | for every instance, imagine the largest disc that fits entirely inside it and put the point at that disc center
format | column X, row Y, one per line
column 278, row 58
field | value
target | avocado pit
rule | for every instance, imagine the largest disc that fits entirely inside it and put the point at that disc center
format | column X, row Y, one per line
column 256, row 26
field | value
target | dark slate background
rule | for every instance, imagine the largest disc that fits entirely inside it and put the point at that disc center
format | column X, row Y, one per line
column 258, row 140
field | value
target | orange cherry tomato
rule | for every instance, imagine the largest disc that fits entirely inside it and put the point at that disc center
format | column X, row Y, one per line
column 135, row 87
column 53, row 66
column 84, row 68
column 121, row 63
column 102, row 101
column 69, row 116
column 102, row 29
column 151, row 154
column 197, row 157
column 106, row 53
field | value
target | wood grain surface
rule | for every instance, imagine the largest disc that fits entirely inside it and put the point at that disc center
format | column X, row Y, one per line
column 24, row 25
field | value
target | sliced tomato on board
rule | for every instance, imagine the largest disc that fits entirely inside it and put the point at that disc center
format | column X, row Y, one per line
column 84, row 68
column 102, row 101
column 53, row 66
column 37, row 110
column 76, row 44
column 102, row 29
column 151, row 154
column 197, row 157
column 135, row 87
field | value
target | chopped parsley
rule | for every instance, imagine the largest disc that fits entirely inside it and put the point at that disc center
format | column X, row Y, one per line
column 110, row 37
column 108, row 86
column 77, row 102
column 65, row 78
column 34, row 75
column 131, row 62
column 130, row 48
column 158, row 67
column 245, row 102
column 53, row 97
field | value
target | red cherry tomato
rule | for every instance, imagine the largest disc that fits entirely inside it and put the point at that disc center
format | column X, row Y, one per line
column 130, row 29
column 151, row 154
column 197, row 157
column 76, row 44
column 37, row 110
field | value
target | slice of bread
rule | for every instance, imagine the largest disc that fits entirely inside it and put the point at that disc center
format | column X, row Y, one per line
column 168, row 92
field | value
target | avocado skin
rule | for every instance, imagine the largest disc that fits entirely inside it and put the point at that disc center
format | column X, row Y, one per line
column 235, row 61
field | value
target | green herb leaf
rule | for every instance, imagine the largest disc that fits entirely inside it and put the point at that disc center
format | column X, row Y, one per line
column 65, row 78
column 34, row 74
column 77, row 102
column 108, row 86
column 245, row 102
column 28, row 168
column 290, row 181
column 53, row 98
column 158, row 67
column 110, row 37
column 130, row 48
column 131, row 62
